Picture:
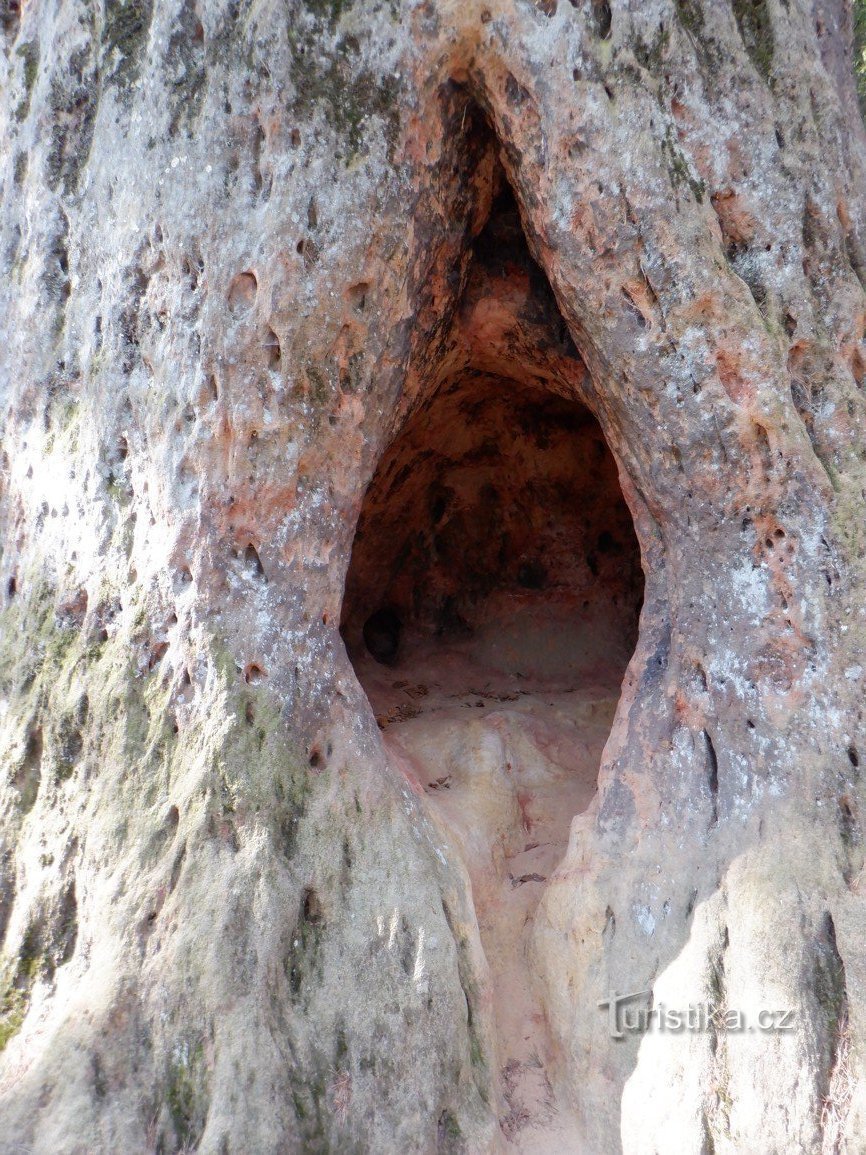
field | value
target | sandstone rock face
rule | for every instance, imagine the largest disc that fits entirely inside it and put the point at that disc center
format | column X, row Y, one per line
column 432, row 498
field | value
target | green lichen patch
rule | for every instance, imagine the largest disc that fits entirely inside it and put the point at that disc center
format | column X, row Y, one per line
column 304, row 960
column 29, row 54
column 185, row 69
column 691, row 18
column 481, row 1069
column 73, row 101
column 226, row 44
column 321, row 1093
column 292, row 793
column 828, row 983
column 652, row 55
column 309, row 1099
column 49, row 940
column 13, row 1008
column 31, row 616
column 47, row 943
column 255, row 763
column 348, row 92
column 27, row 771
column 679, row 168
column 124, row 38
column 860, row 52
column 69, row 684
column 449, row 1135
column 756, row 29
column 79, row 706
column 330, row 10
column 186, row 1093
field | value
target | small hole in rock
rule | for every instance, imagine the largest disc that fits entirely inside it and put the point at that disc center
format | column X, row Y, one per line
column 382, row 634
column 602, row 18
column 157, row 652
column 357, row 296
column 252, row 561
column 272, row 347
column 532, row 575
column 311, row 907
column 242, row 291
column 847, row 819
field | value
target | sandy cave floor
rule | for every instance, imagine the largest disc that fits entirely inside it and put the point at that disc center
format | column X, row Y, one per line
column 504, row 733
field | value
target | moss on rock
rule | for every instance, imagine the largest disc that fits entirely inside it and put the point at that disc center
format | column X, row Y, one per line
column 756, row 29
column 860, row 51
column 13, row 1007
column 347, row 91
column 186, row 1093
column 124, row 35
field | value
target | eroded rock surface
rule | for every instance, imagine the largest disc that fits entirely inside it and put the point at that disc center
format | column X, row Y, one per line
column 254, row 252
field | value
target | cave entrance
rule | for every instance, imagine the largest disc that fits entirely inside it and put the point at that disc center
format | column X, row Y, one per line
column 491, row 608
column 495, row 564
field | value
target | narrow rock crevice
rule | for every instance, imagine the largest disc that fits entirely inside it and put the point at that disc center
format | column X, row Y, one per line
column 829, row 983
column 712, row 777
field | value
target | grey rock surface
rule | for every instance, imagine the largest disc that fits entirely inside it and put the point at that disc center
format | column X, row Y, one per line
column 237, row 243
